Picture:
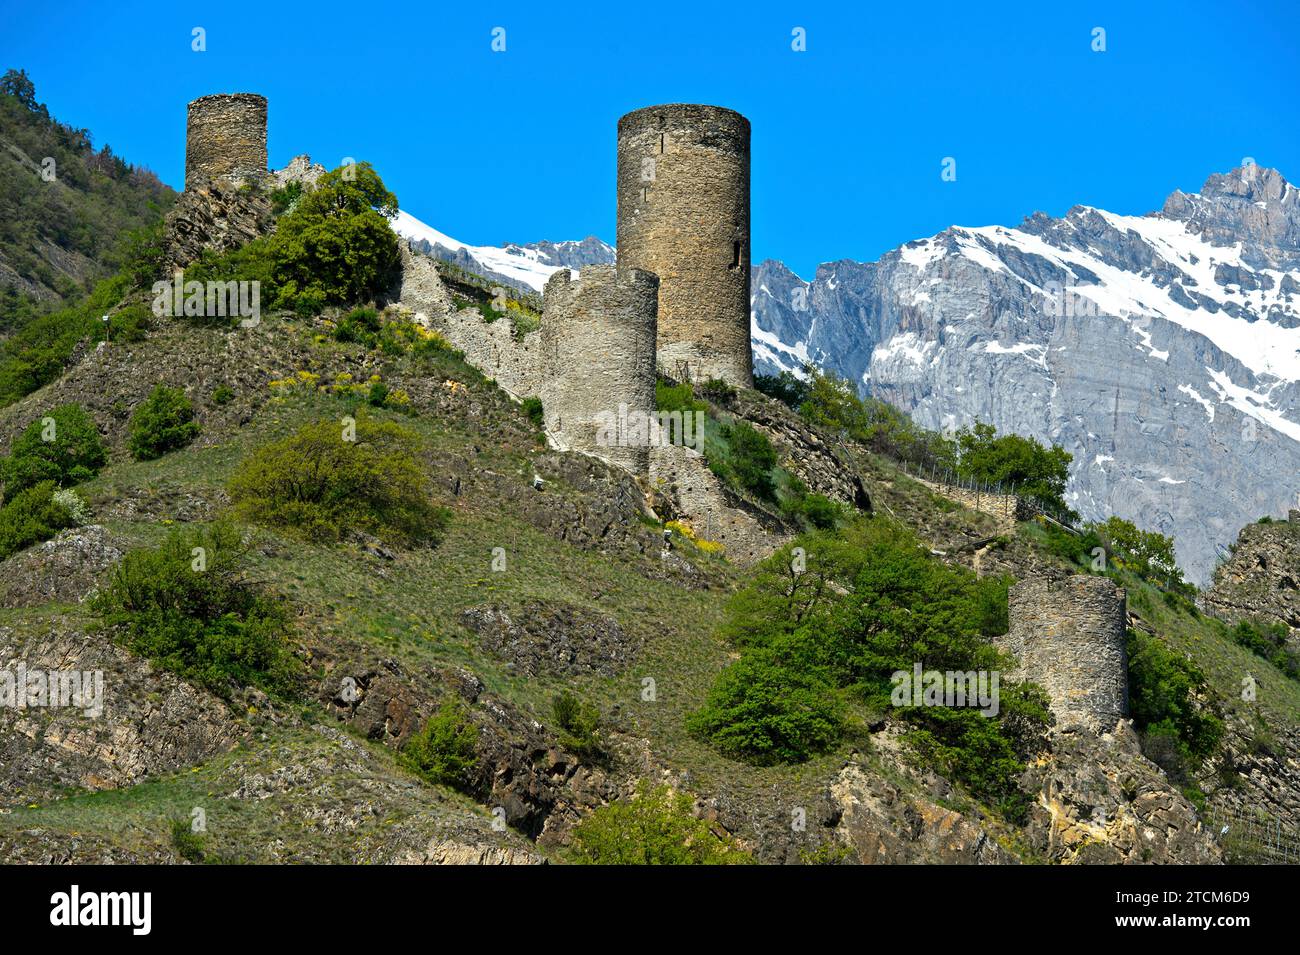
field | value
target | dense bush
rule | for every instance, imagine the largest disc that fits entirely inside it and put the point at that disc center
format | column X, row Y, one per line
column 764, row 711
column 358, row 325
column 444, row 751
column 63, row 446
column 533, row 409
column 161, row 423
column 1268, row 640
column 1164, row 688
column 187, row 606
column 31, row 516
column 322, row 485
column 654, row 827
column 747, row 461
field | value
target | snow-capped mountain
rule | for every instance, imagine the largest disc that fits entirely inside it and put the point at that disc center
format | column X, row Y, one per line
column 521, row 266
column 1162, row 351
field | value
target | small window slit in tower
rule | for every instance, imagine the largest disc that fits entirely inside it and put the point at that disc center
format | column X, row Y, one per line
column 735, row 254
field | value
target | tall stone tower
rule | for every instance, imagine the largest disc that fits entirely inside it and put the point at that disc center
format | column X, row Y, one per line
column 598, row 362
column 683, row 214
column 225, row 137
column 1069, row 637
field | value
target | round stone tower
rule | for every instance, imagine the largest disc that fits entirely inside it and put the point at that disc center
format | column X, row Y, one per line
column 683, row 214
column 225, row 137
column 1069, row 637
column 598, row 362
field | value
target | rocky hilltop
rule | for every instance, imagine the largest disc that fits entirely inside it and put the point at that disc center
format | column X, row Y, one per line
column 1261, row 578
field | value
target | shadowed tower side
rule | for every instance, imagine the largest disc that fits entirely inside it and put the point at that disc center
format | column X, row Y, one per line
column 683, row 214
column 225, row 138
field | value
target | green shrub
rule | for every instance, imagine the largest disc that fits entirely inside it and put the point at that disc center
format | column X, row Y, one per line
column 1163, row 693
column 654, row 827
column 747, row 461
column 359, row 325
column 222, row 395
column 1268, row 640
column 860, row 604
column 813, row 511
column 130, row 323
column 445, row 751
column 189, row 845
column 533, row 409
column 31, row 516
column 319, row 485
column 578, row 722
column 63, row 447
column 161, row 423
column 764, row 712
column 187, row 606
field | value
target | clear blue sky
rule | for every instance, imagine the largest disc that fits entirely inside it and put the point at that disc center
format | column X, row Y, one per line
column 849, row 136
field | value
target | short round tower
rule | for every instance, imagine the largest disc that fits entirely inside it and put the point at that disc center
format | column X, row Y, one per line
column 1069, row 637
column 225, row 137
column 683, row 214
column 598, row 362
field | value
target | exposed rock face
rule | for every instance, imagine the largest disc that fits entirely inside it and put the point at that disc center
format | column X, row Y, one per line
column 1069, row 637
column 151, row 721
column 214, row 214
column 1262, row 577
column 1160, row 351
column 66, row 568
column 542, row 637
column 1100, row 801
column 682, row 478
column 806, row 452
column 300, row 170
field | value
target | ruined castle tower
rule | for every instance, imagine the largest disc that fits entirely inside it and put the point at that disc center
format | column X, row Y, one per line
column 598, row 362
column 683, row 214
column 225, row 137
column 1069, row 637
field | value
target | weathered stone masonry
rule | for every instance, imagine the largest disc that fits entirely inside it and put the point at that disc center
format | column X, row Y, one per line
column 225, row 137
column 1069, row 637
column 598, row 360
column 683, row 214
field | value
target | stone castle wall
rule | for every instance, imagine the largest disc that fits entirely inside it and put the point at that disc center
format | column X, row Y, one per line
column 225, row 137
column 598, row 361
column 683, row 214
column 1069, row 637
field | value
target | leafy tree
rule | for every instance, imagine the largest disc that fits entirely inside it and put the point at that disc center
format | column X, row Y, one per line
column 1146, row 553
column 161, row 423
column 1012, row 459
column 747, row 461
column 654, row 827
column 1163, row 692
column 63, row 447
column 579, row 723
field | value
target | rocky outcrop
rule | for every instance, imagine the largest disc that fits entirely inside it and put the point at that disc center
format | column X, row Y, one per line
column 805, row 451
column 64, row 569
column 1261, row 580
column 216, row 215
column 149, row 720
column 1099, row 801
column 559, row 639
